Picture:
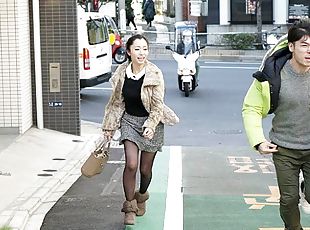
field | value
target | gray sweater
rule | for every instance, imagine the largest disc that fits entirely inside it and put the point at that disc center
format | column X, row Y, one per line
column 291, row 123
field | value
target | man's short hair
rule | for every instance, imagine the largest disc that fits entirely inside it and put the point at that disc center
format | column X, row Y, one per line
column 299, row 29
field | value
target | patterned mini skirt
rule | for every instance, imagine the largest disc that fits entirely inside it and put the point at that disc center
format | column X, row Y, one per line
column 131, row 129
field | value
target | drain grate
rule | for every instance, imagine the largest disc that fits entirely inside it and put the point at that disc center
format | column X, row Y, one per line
column 49, row 170
column 44, row 174
column 75, row 140
column 58, row 159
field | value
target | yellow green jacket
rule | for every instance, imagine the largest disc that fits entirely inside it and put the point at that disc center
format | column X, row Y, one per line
column 263, row 94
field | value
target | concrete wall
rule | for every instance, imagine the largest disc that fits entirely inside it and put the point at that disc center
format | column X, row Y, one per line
column 15, row 68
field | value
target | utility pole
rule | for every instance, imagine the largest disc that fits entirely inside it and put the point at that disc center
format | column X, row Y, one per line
column 121, row 15
column 259, row 22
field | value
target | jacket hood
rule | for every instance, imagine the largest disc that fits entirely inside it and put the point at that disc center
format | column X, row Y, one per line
column 270, row 69
column 282, row 43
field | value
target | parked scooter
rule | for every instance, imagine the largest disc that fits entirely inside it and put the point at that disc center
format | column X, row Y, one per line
column 118, row 47
column 118, row 50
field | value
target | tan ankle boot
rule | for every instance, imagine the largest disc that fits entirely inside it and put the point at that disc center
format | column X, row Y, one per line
column 141, row 199
column 130, row 209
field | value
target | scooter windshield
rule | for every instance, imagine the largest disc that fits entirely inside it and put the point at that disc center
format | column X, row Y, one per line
column 186, row 42
column 185, row 48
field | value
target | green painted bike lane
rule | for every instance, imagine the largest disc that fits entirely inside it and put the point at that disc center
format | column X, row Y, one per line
column 230, row 190
column 156, row 205
column 218, row 193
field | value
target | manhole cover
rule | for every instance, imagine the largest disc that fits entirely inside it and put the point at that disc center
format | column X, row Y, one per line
column 228, row 132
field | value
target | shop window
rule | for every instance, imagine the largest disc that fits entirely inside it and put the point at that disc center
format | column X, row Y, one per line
column 244, row 11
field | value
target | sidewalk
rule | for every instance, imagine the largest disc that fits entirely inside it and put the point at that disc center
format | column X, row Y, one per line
column 37, row 168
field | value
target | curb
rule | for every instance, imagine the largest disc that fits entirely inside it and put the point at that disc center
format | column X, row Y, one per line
column 224, row 58
column 158, row 51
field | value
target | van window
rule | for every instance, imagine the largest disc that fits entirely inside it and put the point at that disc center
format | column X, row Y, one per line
column 96, row 30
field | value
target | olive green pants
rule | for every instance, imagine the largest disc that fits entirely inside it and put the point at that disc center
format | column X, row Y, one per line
column 288, row 164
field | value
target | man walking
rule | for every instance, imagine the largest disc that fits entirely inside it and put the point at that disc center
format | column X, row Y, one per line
column 282, row 87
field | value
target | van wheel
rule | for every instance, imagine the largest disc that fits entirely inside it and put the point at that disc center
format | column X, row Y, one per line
column 120, row 58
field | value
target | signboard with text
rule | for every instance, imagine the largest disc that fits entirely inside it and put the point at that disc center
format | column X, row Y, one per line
column 298, row 11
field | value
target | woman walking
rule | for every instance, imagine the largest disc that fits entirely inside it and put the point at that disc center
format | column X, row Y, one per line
column 136, row 107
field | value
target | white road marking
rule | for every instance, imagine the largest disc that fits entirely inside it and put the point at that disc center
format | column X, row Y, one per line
column 232, row 63
column 228, row 67
column 174, row 199
column 97, row 88
column 278, row 228
column 116, row 162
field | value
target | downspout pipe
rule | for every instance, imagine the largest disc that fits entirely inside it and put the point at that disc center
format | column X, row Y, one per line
column 178, row 11
column 37, row 62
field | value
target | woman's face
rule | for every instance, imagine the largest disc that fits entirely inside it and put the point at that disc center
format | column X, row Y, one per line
column 138, row 51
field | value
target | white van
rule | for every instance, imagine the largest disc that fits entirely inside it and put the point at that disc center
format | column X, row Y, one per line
column 95, row 54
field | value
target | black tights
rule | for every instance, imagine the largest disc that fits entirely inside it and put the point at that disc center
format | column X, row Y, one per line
column 131, row 166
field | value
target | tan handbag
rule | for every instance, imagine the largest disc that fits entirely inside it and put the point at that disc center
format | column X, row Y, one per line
column 97, row 159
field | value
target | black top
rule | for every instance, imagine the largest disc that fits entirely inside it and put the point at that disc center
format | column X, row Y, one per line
column 132, row 97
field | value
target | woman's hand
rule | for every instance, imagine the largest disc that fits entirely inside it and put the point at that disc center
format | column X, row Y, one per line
column 148, row 133
column 108, row 134
column 266, row 147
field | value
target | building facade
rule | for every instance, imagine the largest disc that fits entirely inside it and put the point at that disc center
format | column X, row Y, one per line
column 39, row 42
column 239, row 15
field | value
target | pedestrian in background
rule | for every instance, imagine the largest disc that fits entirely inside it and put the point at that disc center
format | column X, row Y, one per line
column 149, row 12
column 282, row 87
column 130, row 15
column 137, row 108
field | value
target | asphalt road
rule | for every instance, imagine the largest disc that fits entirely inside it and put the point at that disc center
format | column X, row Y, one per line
column 206, row 178
column 210, row 116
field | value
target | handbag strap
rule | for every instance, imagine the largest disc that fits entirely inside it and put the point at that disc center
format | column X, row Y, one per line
column 104, row 144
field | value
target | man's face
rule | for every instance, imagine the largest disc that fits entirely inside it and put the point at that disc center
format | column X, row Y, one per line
column 187, row 39
column 301, row 53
